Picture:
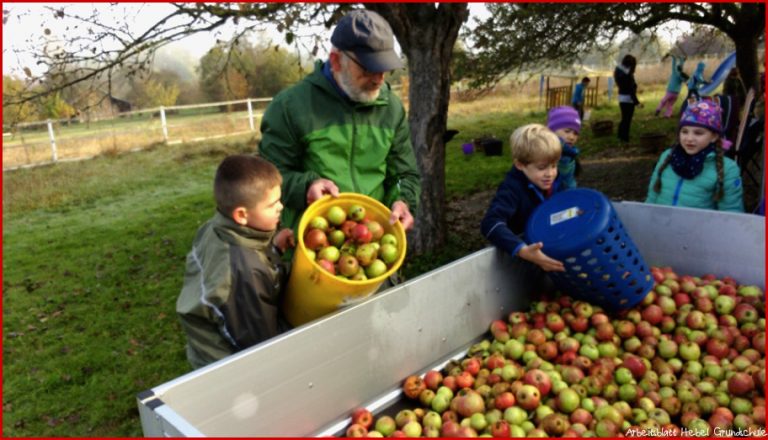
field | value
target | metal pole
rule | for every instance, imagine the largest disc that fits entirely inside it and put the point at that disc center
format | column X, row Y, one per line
column 54, row 156
column 250, row 115
column 162, row 121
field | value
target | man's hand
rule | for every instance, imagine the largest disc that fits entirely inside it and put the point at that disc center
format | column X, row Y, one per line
column 401, row 212
column 284, row 239
column 319, row 188
column 533, row 253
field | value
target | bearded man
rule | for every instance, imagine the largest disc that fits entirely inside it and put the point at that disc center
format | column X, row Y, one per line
column 342, row 129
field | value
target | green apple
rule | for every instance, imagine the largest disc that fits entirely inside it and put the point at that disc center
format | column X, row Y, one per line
column 514, row 415
column 568, row 400
column 336, row 215
column 724, row 304
column 440, row 402
column 412, row 429
column 330, row 253
column 319, row 222
column 478, row 422
column 356, row 213
column 336, row 237
column 388, row 253
column 376, row 269
column 388, row 239
column 432, row 419
column 514, row 349
column 385, row 425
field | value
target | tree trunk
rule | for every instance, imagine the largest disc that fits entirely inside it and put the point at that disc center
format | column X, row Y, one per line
column 426, row 33
column 746, row 60
column 749, row 27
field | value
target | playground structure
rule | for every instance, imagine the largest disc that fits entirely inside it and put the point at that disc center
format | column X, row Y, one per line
column 719, row 75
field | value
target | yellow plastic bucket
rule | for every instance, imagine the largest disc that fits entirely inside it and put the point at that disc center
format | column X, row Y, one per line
column 312, row 292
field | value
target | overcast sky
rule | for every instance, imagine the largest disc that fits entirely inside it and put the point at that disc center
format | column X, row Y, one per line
column 26, row 22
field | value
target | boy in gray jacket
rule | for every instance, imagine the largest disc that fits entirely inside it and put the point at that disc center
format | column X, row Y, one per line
column 234, row 274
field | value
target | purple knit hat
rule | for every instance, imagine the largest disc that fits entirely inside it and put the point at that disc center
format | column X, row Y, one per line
column 705, row 114
column 564, row 117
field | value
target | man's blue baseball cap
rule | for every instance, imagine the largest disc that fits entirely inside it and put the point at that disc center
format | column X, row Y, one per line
column 369, row 37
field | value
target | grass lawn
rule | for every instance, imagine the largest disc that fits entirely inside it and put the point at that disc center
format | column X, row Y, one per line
column 93, row 262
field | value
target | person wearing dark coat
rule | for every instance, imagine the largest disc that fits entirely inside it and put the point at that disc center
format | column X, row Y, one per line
column 624, row 76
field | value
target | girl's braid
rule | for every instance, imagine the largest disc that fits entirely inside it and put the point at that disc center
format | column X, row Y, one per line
column 719, row 186
column 657, row 184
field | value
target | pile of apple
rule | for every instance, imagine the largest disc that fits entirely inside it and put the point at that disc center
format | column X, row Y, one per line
column 689, row 360
column 349, row 244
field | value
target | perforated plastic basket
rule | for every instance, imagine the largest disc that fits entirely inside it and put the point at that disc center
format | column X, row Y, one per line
column 580, row 228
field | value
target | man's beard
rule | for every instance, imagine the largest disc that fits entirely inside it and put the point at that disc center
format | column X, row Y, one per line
column 355, row 93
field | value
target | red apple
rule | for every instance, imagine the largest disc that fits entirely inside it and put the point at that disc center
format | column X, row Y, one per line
column 504, row 400
column 348, row 265
column 528, row 397
column 377, row 231
column 315, row 239
column 539, row 379
column 500, row 429
column 361, row 234
column 413, row 386
column 433, row 379
column 327, row 266
column 363, row 417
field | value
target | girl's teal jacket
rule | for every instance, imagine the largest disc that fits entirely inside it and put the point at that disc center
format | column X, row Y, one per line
column 311, row 131
column 698, row 192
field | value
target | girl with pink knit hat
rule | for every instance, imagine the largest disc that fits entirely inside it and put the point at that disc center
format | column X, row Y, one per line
column 566, row 124
column 695, row 173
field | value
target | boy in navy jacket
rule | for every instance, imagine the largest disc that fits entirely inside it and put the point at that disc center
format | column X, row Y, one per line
column 536, row 151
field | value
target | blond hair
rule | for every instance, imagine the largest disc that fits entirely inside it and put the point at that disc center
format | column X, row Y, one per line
column 535, row 143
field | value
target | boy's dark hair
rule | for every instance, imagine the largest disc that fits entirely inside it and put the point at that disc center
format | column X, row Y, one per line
column 586, row 80
column 243, row 180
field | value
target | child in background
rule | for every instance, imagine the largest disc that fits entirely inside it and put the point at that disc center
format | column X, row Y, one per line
column 234, row 275
column 674, row 85
column 532, row 179
column 694, row 172
column 566, row 124
column 577, row 100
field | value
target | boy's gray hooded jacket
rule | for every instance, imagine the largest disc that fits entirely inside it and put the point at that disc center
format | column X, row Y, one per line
column 231, row 294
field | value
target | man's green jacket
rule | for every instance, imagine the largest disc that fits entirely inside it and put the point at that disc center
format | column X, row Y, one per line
column 311, row 131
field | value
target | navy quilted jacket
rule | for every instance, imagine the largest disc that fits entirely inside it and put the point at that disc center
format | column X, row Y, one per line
column 514, row 202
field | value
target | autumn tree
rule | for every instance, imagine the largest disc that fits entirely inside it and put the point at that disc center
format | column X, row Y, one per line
column 536, row 35
column 425, row 31
column 158, row 89
column 247, row 70
column 14, row 113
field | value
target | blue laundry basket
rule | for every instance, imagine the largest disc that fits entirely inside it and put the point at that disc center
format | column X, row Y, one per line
column 602, row 265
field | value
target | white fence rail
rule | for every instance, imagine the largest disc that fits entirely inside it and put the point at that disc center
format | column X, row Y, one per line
column 45, row 142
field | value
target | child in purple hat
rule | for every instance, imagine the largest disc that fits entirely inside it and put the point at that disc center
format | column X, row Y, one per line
column 695, row 173
column 566, row 124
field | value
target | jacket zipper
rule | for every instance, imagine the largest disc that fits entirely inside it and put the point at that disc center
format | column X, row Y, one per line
column 353, row 147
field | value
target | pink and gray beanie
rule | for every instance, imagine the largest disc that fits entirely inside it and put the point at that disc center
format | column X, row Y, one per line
column 564, row 117
column 706, row 114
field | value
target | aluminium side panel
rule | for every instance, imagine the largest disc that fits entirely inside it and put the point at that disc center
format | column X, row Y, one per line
column 309, row 379
column 698, row 241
